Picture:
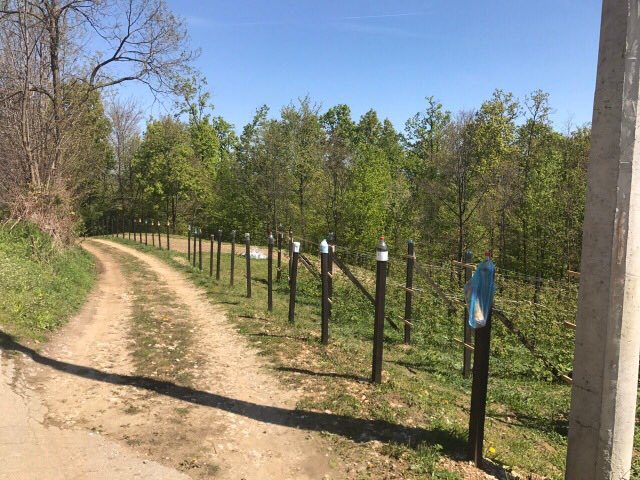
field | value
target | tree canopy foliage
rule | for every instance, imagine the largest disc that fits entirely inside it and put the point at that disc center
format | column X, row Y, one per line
column 499, row 178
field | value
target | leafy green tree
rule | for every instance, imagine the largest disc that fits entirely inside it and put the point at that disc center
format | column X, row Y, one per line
column 423, row 140
column 339, row 145
column 303, row 151
column 494, row 140
column 366, row 214
column 165, row 170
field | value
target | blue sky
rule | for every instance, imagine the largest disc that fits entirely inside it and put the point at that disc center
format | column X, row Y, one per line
column 389, row 55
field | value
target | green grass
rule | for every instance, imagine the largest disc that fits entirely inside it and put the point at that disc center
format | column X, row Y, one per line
column 160, row 331
column 41, row 285
column 422, row 389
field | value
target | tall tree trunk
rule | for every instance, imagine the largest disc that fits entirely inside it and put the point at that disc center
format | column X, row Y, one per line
column 54, row 59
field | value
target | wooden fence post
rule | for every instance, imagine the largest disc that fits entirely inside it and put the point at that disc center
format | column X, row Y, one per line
column 168, row 244
column 290, row 250
column 146, row 230
column 159, row 235
column 189, row 242
column 382, row 257
column 324, row 275
column 153, row 234
column 408, row 295
column 233, row 257
column 247, row 242
column 270, row 273
column 200, row 250
column 218, row 254
column 467, row 332
column 279, row 269
column 293, row 279
column 479, row 391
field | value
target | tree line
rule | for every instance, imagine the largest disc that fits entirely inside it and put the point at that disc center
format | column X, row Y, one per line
column 499, row 178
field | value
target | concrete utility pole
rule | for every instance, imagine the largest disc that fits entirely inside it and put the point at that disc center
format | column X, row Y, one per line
column 605, row 367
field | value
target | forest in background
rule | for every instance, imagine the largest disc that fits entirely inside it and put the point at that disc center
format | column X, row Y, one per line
column 499, row 178
column 76, row 154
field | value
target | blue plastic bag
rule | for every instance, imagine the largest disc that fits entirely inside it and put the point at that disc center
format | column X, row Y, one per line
column 479, row 292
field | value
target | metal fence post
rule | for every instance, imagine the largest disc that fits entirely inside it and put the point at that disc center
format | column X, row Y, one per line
column 293, row 278
column 146, row 230
column 153, row 234
column 218, row 254
column 159, row 235
column 408, row 296
column 467, row 332
column 382, row 258
column 270, row 273
column 168, row 244
column 233, row 257
column 324, row 274
column 247, row 243
column 189, row 242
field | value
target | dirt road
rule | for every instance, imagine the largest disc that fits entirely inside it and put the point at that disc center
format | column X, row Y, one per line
column 149, row 381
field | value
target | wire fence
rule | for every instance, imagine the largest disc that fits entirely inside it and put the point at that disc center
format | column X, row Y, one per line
column 536, row 316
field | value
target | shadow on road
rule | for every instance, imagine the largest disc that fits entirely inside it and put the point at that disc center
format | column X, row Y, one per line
column 355, row 429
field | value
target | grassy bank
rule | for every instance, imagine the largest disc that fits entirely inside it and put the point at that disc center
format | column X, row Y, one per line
column 421, row 409
column 41, row 285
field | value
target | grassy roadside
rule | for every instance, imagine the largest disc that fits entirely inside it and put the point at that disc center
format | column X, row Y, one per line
column 41, row 286
column 422, row 389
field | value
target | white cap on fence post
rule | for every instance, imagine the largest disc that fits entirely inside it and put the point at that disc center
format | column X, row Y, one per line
column 382, row 253
column 296, row 247
column 324, row 247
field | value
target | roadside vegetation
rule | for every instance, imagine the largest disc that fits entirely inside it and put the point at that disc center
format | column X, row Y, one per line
column 41, row 284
